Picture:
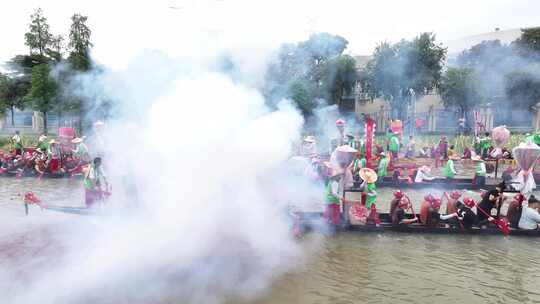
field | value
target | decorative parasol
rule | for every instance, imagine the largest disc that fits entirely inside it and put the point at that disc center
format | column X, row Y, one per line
column 499, row 136
column 526, row 155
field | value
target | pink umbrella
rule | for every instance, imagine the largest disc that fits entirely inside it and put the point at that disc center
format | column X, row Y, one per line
column 499, row 136
column 526, row 155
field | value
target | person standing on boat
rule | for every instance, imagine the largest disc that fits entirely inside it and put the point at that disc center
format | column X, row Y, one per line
column 54, row 156
column 42, row 142
column 449, row 170
column 309, row 147
column 81, row 151
column 370, row 177
column 95, row 183
column 443, row 148
column 393, row 146
column 332, row 200
column 485, row 144
column 342, row 138
column 530, row 218
column 16, row 143
column 383, row 167
column 480, row 171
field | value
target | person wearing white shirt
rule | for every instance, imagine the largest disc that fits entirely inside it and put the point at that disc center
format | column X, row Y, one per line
column 530, row 218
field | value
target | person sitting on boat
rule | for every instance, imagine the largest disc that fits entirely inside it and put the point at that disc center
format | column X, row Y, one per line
column 422, row 174
column 332, row 199
column 16, row 143
column 530, row 218
column 40, row 160
column 81, row 151
column 358, row 163
column 54, row 156
column 429, row 211
column 398, row 215
column 480, row 171
column 424, row 152
column 451, row 151
column 393, row 145
column 308, row 147
column 370, row 177
column 382, row 167
column 398, row 195
column 464, row 214
column 485, row 144
column 493, row 199
column 95, row 183
column 449, row 170
column 515, row 208
column 452, row 201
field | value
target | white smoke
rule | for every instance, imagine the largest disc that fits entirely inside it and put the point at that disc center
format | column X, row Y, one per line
column 198, row 212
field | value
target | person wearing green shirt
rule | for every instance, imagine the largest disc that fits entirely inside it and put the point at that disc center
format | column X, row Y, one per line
column 332, row 200
column 393, row 146
column 535, row 139
column 43, row 145
column 81, row 150
column 95, row 183
column 485, row 144
column 383, row 166
column 449, row 170
column 480, row 170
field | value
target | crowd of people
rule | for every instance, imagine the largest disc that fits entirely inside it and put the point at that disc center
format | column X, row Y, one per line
column 348, row 166
column 58, row 157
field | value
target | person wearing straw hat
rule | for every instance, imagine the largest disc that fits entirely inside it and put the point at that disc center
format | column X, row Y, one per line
column 81, row 150
column 370, row 177
column 449, row 170
column 480, row 170
column 54, row 156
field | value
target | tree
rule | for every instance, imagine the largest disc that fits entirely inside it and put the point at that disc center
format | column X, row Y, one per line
column 523, row 88
column 55, row 52
column 397, row 68
column 300, row 95
column 460, row 89
column 340, row 77
column 79, row 43
column 38, row 39
column 12, row 92
column 43, row 91
column 530, row 40
column 306, row 64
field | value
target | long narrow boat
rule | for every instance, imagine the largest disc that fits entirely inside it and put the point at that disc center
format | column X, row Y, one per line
column 441, row 183
column 313, row 221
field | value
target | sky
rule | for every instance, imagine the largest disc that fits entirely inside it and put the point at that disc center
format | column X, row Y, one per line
column 121, row 29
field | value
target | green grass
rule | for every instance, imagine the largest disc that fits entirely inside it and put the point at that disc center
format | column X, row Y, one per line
column 27, row 141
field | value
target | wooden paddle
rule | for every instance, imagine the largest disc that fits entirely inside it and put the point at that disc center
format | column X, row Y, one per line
column 502, row 225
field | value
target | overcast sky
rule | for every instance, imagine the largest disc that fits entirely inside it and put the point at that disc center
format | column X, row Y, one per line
column 123, row 28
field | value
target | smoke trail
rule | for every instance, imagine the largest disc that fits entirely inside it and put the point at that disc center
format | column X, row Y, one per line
column 200, row 154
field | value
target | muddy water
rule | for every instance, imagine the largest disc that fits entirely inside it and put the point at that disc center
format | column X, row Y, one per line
column 371, row 268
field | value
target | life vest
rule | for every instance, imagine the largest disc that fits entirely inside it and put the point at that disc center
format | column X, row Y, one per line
column 382, row 169
column 480, row 169
column 371, row 195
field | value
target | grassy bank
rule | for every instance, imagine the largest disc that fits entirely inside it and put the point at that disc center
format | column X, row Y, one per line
column 27, row 141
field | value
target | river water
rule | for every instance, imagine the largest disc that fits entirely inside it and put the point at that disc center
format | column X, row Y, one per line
column 367, row 268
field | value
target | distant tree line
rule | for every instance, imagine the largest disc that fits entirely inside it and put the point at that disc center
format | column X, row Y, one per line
column 317, row 70
column 30, row 82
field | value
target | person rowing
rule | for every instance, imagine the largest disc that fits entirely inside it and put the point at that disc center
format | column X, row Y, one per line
column 370, row 177
column 95, row 183
column 464, row 214
column 429, row 211
column 452, row 198
column 81, row 151
column 54, row 156
column 515, row 209
column 423, row 174
column 42, row 142
column 530, row 218
column 398, row 195
column 398, row 215
column 493, row 199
